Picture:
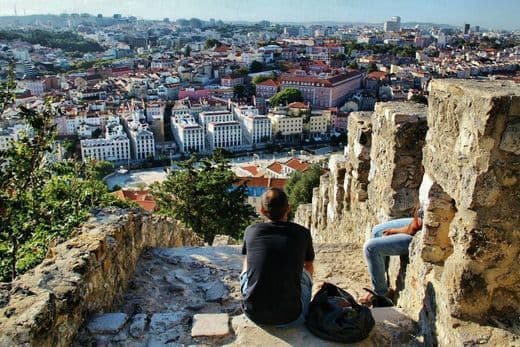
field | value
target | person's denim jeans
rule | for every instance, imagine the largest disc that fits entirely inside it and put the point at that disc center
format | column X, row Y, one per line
column 306, row 293
column 380, row 247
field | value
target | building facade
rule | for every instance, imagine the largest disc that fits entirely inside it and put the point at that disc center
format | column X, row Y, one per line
column 227, row 135
column 324, row 91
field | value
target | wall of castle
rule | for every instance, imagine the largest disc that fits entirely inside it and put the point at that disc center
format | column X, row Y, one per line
column 47, row 305
column 462, row 282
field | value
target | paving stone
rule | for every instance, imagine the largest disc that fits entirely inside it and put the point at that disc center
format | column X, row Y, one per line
column 122, row 336
column 210, row 325
column 183, row 276
column 216, row 292
column 107, row 323
column 162, row 322
column 138, row 325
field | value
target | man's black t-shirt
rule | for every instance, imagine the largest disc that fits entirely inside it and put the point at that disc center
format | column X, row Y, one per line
column 276, row 252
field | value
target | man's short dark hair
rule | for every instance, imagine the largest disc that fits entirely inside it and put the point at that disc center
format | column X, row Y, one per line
column 275, row 203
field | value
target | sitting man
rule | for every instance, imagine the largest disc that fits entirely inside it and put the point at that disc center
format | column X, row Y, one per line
column 390, row 238
column 276, row 281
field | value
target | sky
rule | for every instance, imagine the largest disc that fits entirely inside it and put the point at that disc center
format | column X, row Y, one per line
column 495, row 14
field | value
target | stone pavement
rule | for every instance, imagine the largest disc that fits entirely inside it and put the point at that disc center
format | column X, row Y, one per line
column 191, row 296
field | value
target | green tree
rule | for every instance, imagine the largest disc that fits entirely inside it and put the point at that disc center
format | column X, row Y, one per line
column 239, row 91
column 22, row 178
column 286, row 96
column 40, row 202
column 205, row 196
column 256, row 66
column 263, row 78
column 353, row 65
column 300, row 185
column 210, row 43
column 372, row 67
column 187, row 51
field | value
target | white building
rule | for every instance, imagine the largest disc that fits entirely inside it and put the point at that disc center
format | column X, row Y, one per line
column 142, row 141
column 188, row 135
column 214, row 117
column 114, row 147
column 226, row 135
column 318, row 123
column 393, row 25
column 286, row 125
column 255, row 127
column 12, row 134
column 37, row 87
column 83, row 125
column 154, row 110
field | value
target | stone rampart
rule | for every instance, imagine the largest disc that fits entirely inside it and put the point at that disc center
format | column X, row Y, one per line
column 86, row 274
column 462, row 283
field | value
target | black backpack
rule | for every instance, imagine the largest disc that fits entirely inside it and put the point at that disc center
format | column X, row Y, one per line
column 335, row 315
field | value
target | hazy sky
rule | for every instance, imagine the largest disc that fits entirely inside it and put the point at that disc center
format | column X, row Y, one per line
column 503, row 14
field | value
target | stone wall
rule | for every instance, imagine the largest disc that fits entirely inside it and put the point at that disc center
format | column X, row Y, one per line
column 377, row 182
column 464, row 271
column 47, row 305
column 462, row 283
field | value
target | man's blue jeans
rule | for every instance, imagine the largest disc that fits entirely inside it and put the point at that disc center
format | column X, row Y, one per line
column 380, row 247
column 306, row 289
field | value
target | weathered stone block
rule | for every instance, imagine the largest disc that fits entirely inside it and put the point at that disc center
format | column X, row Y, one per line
column 107, row 323
column 216, row 324
column 162, row 322
column 138, row 325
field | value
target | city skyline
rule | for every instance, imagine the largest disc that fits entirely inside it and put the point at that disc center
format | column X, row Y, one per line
column 455, row 12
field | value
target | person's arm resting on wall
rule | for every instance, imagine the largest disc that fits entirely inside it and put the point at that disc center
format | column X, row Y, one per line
column 410, row 229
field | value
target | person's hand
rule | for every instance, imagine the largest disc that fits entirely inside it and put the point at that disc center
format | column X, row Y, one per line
column 392, row 231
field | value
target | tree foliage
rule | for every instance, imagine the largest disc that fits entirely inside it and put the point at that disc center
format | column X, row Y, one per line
column 300, row 185
column 256, row 66
column 210, row 43
column 285, row 97
column 205, row 196
column 66, row 40
column 263, row 78
column 40, row 202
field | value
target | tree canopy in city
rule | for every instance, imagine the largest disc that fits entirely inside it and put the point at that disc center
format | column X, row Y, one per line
column 205, row 195
column 300, row 185
column 286, row 97
column 41, row 201
column 66, row 40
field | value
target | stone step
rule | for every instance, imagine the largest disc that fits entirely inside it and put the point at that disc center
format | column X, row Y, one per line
column 393, row 328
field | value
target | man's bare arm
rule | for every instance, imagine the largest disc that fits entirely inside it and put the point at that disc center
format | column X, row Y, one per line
column 308, row 265
column 244, row 266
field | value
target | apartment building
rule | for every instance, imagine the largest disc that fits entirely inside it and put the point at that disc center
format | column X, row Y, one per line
column 188, row 134
column 227, row 135
column 114, row 147
column 323, row 90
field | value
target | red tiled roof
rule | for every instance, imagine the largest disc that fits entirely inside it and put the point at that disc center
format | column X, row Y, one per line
column 276, row 167
column 265, row 182
column 142, row 198
column 221, row 49
column 268, row 83
column 297, row 165
column 298, row 104
column 251, row 169
column 377, row 75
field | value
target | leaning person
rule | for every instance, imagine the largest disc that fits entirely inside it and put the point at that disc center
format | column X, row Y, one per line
column 276, row 280
column 389, row 238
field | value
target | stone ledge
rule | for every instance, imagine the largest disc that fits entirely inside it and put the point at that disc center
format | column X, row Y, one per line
column 47, row 305
column 393, row 328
